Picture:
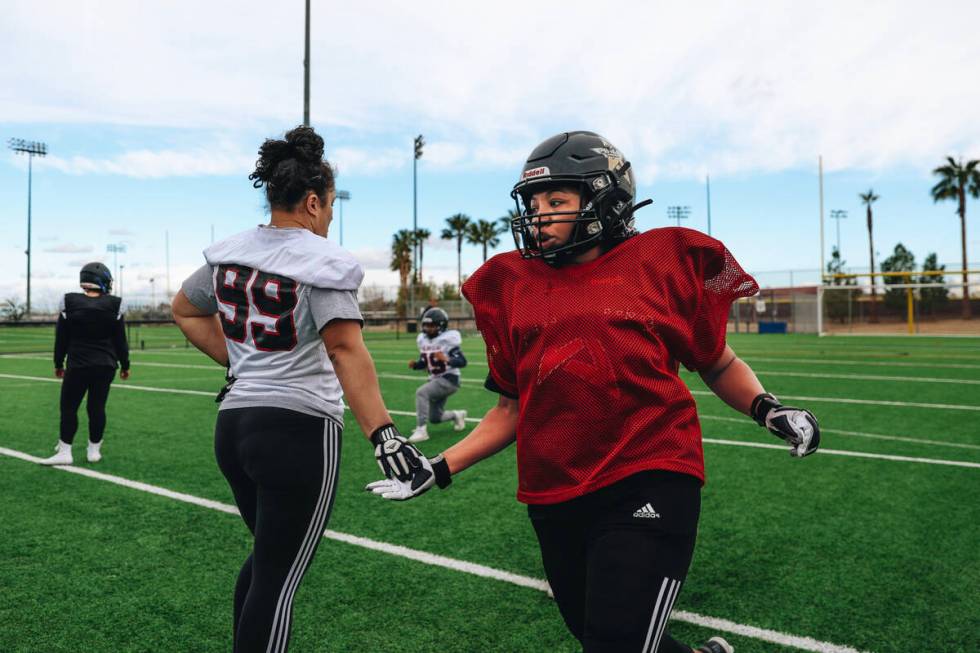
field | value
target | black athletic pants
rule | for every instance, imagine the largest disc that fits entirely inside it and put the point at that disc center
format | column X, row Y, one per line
column 616, row 559
column 282, row 467
column 77, row 382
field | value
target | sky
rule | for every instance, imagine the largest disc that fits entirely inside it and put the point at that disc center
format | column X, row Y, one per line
column 152, row 113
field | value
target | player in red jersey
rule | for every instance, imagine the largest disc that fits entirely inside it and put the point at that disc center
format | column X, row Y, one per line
column 586, row 325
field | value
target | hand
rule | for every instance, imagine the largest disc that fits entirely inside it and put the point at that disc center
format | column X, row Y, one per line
column 395, row 490
column 411, row 364
column 124, row 374
column 440, row 356
column 397, row 457
column 797, row 426
column 59, row 372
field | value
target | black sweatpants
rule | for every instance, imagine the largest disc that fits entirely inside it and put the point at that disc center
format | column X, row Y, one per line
column 616, row 559
column 282, row 467
column 78, row 381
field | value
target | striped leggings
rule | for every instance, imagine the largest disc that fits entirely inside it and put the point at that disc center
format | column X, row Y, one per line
column 616, row 559
column 282, row 468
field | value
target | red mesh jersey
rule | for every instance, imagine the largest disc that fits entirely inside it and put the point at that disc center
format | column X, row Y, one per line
column 592, row 352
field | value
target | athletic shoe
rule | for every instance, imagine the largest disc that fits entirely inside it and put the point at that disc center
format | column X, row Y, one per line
column 459, row 420
column 420, row 434
column 716, row 645
column 93, row 453
column 62, row 455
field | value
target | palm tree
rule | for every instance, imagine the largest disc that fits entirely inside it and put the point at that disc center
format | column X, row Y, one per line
column 870, row 198
column 401, row 257
column 421, row 236
column 457, row 227
column 484, row 232
column 956, row 180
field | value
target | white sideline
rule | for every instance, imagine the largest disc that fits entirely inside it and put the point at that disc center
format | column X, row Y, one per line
column 763, row 634
column 736, row 443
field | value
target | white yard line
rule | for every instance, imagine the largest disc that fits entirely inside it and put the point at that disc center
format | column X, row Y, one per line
column 859, row 454
column 860, row 434
column 463, row 566
column 839, row 361
column 863, row 402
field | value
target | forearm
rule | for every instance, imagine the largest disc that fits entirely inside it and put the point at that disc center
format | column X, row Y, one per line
column 734, row 382
column 121, row 345
column 355, row 371
column 204, row 332
column 60, row 343
column 496, row 431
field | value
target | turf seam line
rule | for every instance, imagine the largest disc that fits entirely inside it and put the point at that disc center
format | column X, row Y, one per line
column 453, row 564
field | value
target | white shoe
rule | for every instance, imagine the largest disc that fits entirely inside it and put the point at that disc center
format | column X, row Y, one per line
column 459, row 421
column 94, row 453
column 62, row 455
column 420, row 434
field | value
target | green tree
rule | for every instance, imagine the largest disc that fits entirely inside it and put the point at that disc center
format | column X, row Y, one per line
column 901, row 260
column 456, row 228
column 868, row 199
column 420, row 237
column 506, row 221
column 956, row 180
column 485, row 233
column 401, row 262
column 932, row 298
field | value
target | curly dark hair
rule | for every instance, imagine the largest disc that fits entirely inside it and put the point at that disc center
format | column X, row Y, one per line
column 292, row 167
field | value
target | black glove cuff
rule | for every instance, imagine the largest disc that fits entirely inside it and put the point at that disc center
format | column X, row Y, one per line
column 441, row 469
column 382, row 433
column 761, row 406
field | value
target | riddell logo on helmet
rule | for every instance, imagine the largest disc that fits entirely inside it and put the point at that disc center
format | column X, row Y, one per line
column 535, row 172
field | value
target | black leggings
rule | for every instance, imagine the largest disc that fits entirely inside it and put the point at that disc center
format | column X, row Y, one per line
column 616, row 559
column 80, row 380
column 282, row 468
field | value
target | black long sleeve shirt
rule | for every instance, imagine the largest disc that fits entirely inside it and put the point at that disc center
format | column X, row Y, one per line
column 91, row 332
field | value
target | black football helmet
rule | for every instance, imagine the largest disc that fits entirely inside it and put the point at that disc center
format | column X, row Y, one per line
column 434, row 321
column 95, row 276
column 588, row 163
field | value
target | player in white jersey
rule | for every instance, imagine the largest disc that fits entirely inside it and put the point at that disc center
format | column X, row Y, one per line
column 441, row 356
column 278, row 305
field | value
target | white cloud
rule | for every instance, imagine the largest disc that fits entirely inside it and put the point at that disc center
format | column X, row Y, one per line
column 685, row 88
column 122, row 231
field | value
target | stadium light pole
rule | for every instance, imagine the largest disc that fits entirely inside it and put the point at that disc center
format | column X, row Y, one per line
column 838, row 215
column 678, row 213
column 419, row 144
column 115, row 249
column 306, row 70
column 342, row 196
column 31, row 149
column 121, row 269
column 707, row 185
column 153, row 294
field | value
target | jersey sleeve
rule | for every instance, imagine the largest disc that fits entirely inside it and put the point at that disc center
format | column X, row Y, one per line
column 702, row 281
column 487, row 291
column 327, row 305
column 199, row 289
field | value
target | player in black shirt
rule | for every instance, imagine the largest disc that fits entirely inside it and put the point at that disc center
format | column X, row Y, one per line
column 91, row 332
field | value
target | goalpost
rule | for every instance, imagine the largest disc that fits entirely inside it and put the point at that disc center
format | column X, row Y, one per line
column 905, row 303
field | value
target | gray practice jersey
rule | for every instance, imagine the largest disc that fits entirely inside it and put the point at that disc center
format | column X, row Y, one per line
column 446, row 342
column 274, row 290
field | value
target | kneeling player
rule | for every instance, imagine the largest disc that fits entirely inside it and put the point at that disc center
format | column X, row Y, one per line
column 439, row 353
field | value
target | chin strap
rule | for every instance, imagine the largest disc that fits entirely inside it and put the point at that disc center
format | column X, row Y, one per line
column 637, row 207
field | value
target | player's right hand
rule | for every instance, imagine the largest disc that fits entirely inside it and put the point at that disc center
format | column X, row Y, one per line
column 411, row 364
column 59, row 372
column 124, row 374
column 433, row 471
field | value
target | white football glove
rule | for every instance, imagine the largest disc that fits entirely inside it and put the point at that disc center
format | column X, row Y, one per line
column 431, row 472
column 797, row 426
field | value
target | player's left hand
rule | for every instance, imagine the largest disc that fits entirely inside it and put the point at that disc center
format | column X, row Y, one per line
column 440, row 356
column 59, row 372
column 432, row 471
column 397, row 457
column 124, row 374
column 797, row 426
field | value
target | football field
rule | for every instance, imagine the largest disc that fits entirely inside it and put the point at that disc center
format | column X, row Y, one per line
column 871, row 545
